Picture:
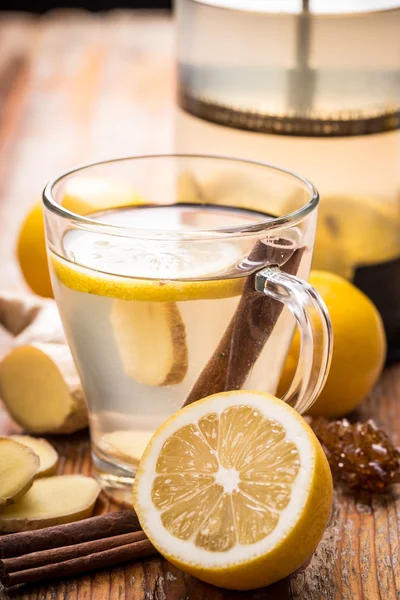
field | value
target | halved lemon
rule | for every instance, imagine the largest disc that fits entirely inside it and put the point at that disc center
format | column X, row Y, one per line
column 234, row 489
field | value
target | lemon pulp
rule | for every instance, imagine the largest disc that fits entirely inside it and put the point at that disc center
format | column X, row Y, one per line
column 234, row 486
column 234, row 489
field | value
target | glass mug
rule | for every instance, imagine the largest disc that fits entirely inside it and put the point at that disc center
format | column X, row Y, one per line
column 177, row 277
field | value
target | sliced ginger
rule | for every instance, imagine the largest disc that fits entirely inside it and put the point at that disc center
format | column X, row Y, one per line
column 51, row 501
column 18, row 467
column 47, row 454
column 39, row 384
column 151, row 340
column 126, row 446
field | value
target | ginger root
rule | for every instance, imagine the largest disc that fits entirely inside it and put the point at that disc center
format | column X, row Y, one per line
column 48, row 455
column 39, row 384
column 18, row 467
column 51, row 501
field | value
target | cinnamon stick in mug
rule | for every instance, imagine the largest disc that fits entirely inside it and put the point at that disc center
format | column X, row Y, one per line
column 250, row 326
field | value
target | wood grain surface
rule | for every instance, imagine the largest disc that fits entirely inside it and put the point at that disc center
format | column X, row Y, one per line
column 76, row 87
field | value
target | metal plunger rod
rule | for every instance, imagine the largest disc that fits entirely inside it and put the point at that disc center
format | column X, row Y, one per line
column 302, row 78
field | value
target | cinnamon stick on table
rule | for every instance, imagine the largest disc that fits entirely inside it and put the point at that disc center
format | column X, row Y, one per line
column 72, row 548
column 103, row 526
column 56, row 555
column 81, row 564
column 250, row 326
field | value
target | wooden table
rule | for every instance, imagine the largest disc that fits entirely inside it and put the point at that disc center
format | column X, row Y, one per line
column 77, row 87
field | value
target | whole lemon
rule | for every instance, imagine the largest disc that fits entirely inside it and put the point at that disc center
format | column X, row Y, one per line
column 359, row 347
column 31, row 252
column 82, row 195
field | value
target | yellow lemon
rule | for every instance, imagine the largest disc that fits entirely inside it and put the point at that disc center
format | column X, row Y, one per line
column 81, row 195
column 359, row 347
column 234, row 489
column 31, row 252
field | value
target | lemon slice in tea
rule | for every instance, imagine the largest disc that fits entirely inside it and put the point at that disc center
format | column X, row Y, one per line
column 138, row 268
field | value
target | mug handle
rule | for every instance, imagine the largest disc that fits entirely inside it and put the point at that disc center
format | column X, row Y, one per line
column 316, row 335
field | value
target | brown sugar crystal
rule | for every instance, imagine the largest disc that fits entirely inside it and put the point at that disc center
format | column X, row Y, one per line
column 360, row 454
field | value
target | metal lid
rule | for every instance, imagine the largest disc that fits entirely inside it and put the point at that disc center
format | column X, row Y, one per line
column 326, row 7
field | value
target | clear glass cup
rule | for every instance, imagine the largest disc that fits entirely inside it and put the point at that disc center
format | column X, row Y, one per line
column 172, row 287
